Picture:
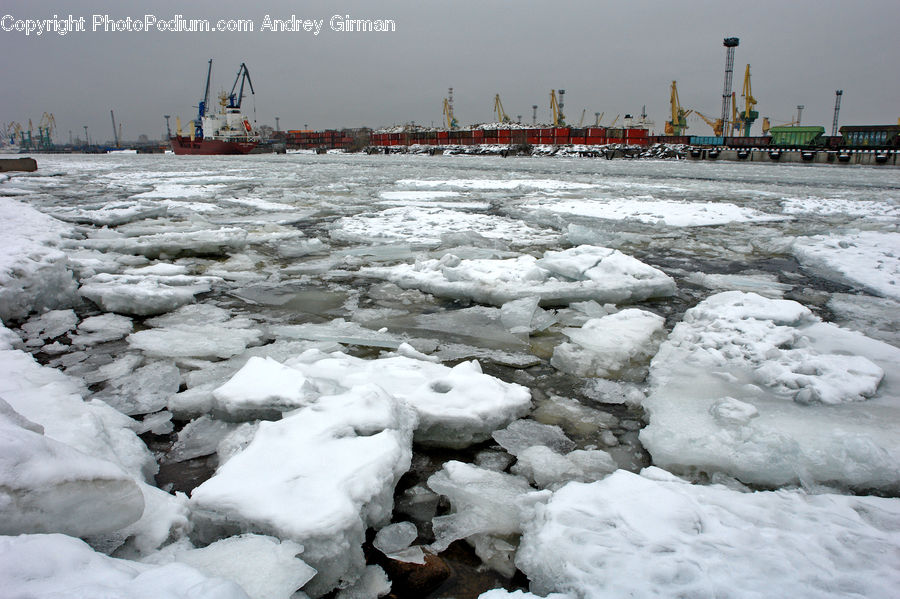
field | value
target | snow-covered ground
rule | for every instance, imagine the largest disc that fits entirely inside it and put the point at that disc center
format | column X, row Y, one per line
column 222, row 376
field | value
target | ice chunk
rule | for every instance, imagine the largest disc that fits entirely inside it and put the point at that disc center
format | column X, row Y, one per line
column 337, row 330
column 457, row 406
column 144, row 391
column 522, row 434
column 618, row 346
column 763, row 391
column 549, row 470
column 33, row 273
column 184, row 340
column 504, row 594
column 868, row 259
column 525, row 316
column 264, row 567
column 876, row 317
column 111, row 214
column 424, row 226
column 49, row 325
column 657, row 536
column 320, row 477
column 263, row 389
column 100, row 329
column 200, row 437
column 58, row 566
column 488, row 510
column 561, row 277
column 572, row 416
column 47, row 486
column 395, row 537
column 372, row 584
column 203, row 242
column 765, row 285
column 54, row 400
column 143, row 295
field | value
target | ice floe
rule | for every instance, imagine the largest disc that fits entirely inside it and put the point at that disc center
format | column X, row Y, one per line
column 33, row 270
column 867, row 259
column 340, row 459
column 560, row 277
column 764, row 391
column 653, row 535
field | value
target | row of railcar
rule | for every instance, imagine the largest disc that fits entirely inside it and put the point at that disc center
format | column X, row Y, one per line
column 599, row 136
column 867, row 136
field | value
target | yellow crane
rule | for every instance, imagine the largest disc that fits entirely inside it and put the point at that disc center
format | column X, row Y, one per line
column 598, row 119
column 498, row 109
column 716, row 124
column 581, row 120
column 678, row 123
column 747, row 116
column 448, row 115
column 614, row 121
column 45, row 130
column 766, row 125
column 559, row 119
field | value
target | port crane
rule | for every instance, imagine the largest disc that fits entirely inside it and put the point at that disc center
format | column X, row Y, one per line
column 559, row 119
column 448, row 115
column 745, row 119
column 716, row 124
column 678, row 124
column 502, row 117
column 45, row 131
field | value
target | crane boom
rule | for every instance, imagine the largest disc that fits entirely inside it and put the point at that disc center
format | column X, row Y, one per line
column 235, row 99
column 115, row 133
column 502, row 117
column 715, row 124
column 559, row 119
column 678, row 123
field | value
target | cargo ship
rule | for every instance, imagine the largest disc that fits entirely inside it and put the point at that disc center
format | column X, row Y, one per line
column 225, row 131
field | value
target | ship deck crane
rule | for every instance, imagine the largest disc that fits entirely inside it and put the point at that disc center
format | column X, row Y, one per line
column 678, row 123
column 235, row 99
column 502, row 117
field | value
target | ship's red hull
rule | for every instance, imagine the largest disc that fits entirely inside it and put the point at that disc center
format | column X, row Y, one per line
column 210, row 147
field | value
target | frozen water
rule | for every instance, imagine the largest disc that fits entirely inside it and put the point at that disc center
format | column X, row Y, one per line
column 143, row 295
column 264, row 567
column 489, row 509
column 456, row 407
column 278, row 254
column 522, row 434
column 868, row 259
column 264, row 388
column 658, row 536
column 58, row 566
column 618, row 346
column 48, row 486
column 33, row 272
column 143, row 391
column 395, row 537
column 560, row 277
column 338, row 461
column 804, row 401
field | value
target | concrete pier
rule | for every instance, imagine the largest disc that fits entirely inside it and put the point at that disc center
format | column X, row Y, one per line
column 29, row 165
column 799, row 156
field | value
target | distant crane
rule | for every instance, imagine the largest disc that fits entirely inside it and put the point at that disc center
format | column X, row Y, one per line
column 716, row 124
column 115, row 133
column 837, row 111
column 581, row 120
column 451, row 121
column 559, row 119
column 498, row 108
column 45, row 131
column 235, row 99
column 747, row 116
column 730, row 44
column 597, row 117
column 678, row 123
column 614, row 121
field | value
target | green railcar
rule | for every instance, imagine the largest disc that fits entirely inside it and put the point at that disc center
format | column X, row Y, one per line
column 787, row 135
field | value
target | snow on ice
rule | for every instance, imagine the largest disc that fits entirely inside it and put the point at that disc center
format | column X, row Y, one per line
column 560, row 277
column 653, row 535
column 762, row 390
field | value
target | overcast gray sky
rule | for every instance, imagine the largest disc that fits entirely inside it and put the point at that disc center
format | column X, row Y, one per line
column 611, row 57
